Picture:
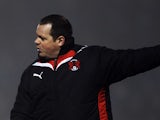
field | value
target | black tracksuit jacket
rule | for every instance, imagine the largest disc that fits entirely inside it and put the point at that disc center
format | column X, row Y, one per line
column 75, row 86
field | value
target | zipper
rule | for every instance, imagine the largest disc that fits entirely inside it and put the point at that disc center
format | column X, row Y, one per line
column 55, row 64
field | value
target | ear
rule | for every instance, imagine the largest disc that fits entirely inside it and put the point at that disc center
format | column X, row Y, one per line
column 61, row 40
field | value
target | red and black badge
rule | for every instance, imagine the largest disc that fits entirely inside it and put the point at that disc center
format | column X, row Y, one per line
column 74, row 65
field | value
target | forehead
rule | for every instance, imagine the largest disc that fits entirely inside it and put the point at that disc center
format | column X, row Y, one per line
column 43, row 29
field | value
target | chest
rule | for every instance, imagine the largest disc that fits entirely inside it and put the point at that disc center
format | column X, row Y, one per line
column 75, row 80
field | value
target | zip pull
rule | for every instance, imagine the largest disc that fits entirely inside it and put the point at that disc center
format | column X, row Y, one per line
column 55, row 64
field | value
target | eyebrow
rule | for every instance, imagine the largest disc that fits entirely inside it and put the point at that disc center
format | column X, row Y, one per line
column 41, row 37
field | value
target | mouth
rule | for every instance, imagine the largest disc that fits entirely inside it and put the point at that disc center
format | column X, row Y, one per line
column 38, row 50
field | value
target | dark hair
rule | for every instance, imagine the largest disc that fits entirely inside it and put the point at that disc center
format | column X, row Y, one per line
column 60, row 26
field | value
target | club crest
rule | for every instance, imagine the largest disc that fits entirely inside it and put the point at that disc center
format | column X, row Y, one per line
column 74, row 65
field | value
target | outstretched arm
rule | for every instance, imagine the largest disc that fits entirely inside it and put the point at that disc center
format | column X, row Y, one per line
column 126, row 63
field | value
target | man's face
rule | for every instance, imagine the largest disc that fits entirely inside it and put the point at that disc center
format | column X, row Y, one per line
column 46, row 45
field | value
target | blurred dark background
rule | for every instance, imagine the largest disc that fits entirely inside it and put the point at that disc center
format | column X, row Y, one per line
column 117, row 24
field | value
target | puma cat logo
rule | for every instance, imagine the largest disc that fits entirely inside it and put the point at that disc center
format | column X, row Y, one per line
column 38, row 75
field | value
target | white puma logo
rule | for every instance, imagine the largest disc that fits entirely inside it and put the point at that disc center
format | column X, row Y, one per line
column 38, row 75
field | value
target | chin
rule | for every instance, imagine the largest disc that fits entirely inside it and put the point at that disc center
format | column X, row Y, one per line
column 43, row 58
column 41, row 55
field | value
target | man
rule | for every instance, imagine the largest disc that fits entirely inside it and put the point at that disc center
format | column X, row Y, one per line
column 71, row 82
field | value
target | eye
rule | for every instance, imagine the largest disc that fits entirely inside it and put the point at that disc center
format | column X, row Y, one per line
column 42, row 38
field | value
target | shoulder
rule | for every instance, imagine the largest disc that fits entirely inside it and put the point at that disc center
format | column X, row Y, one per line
column 29, row 67
column 97, row 49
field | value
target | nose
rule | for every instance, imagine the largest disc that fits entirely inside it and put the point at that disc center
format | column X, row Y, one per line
column 37, row 41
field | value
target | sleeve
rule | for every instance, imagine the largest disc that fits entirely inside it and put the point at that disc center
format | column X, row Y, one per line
column 22, row 106
column 126, row 63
